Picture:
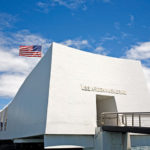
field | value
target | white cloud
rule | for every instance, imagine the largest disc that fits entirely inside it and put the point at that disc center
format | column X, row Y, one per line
column 24, row 37
column 11, row 62
column 107, row 38
column 14, row 68
column 71, row 4
column 131, row 20
column 86, row 45
column 79, row 44
column 141, row 51
column 100, row 50
column 6, row 20
column 10, row 83
column 4, row 40
column 124, row 35
column 44, row 6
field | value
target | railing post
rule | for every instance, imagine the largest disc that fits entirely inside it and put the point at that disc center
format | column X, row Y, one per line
column 1, row 123
column 122, row 118
column 125, row 119
column 5, row 125
column 117, row 119
column 132, row 119
column 102, row 119
column 139, row 120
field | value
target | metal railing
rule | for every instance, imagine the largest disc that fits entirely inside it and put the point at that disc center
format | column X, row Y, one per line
column 3, row 119
column 135, row 119
column 3, row 126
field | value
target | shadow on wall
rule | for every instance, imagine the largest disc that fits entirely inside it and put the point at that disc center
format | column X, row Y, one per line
column 105, row 104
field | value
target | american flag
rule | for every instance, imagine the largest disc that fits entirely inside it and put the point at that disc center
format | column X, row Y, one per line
column 30, row 51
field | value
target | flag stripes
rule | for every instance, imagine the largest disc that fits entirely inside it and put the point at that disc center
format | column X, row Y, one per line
column 30, row 51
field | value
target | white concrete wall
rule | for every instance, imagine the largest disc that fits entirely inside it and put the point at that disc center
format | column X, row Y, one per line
column 72, row 110
column 27, row 112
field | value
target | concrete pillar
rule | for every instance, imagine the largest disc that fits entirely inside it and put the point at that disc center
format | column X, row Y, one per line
column 114, row 141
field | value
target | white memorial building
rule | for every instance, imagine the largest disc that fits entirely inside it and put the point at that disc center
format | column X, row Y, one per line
column 71, row 94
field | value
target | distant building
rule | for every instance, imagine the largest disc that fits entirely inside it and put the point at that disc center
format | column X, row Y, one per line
column 60, row 103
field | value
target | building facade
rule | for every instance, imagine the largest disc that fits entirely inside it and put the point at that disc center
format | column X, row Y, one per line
column 61, row 101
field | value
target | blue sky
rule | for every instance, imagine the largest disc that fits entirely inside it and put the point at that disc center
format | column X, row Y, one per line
column 117, row 28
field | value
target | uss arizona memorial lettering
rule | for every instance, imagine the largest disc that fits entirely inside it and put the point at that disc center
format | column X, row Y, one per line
column 104, row 90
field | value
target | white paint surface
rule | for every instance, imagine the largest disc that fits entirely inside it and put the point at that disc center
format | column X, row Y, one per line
column 72, row 110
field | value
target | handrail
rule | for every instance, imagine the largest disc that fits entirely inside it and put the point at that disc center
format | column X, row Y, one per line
column 126, row 113
column 134, row 119
column 3, row 119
